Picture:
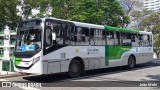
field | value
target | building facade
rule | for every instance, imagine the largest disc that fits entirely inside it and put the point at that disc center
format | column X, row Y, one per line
column 152, row 4
column 7, row 46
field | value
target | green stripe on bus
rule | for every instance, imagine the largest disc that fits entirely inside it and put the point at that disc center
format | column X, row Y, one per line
column 121, row 29
column 17, row 61
column 115, row 52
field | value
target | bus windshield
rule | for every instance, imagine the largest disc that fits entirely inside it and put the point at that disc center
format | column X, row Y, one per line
column 28, row 39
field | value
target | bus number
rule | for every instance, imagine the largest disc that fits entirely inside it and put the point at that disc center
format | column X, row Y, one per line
column 63, row 55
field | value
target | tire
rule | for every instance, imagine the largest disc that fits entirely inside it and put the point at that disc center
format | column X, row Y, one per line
column 75, row 69
column 131, row 62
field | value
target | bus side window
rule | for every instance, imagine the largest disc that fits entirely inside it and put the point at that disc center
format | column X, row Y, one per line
column 145, row 40
column 104, row 38
column 126, row 39
column 109, row 38
column 97, row 37
column 82, row 36
column 150, row 40
column 65, row 33
column 92, row 42
column 87, row 39
column 59, row 33
column 72, row 36
column 112, row 38
column 140, row 40
column 135, row 40
column 48, row 36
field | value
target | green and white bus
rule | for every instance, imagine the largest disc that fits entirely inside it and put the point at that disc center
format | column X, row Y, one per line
column 50, row 45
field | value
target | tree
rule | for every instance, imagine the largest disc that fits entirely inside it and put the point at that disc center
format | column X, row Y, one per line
column 131, row 6
column 89, row 11
column 157, row 45
column 114, row 14
column 29, row 5
column 8, row 13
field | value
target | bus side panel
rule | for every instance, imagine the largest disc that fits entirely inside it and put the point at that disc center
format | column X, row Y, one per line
column 45, row 67
column 64, row 65
column 148, row 53
column 53, row 67
column 93, row 56
column 102, row 57
column 57, row 61
column 142, row 54
column 116, row 55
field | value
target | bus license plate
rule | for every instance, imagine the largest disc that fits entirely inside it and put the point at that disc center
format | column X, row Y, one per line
column 20, row 70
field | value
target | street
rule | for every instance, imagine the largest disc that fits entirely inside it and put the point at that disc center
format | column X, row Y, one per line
column 143, row 72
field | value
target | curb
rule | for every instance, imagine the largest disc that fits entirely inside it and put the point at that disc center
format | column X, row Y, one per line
column 158, row 60
column 10, row 75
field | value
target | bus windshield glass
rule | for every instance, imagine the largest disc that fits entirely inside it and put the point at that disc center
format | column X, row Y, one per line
column 28, row 38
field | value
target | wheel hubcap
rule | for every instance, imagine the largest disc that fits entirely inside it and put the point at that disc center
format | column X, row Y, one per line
column 131, row 63
column 74, row 68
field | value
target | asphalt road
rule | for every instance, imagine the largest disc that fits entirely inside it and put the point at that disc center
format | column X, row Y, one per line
column 100, row 79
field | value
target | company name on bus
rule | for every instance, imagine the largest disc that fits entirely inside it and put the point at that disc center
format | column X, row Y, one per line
column 92, row 49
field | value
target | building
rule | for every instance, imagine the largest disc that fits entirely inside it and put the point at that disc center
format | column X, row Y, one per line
column 7, row 46
column 152, row 4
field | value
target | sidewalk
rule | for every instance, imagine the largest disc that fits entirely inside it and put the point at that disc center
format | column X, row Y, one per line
column 4, row 74
column 157, row 59
column 7, row 74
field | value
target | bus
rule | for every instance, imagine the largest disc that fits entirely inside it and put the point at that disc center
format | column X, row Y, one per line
column 50, row 45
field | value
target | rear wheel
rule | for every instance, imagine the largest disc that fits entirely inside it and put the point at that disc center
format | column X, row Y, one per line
column 131, row 62
column 75, row 68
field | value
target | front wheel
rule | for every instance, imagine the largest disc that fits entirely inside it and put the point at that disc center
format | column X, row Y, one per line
column 75, row 68
column 131, row 62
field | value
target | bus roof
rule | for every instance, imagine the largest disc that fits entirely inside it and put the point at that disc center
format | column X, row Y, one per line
column 80, row 23
column 121, row 29
column 144, row 32
column 89, row 25
column 101, row 26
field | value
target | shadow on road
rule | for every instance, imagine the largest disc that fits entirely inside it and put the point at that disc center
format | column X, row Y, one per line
column 99, row 72
column 155, row 77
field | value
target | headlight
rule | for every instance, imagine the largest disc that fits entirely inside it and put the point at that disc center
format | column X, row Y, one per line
column 35, row 60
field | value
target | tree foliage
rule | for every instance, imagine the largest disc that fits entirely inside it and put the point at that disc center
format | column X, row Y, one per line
column 8, row 13
column 107, row 12
column 89, row 11
column 149, row 20
column 131, row 6
column 157, row 45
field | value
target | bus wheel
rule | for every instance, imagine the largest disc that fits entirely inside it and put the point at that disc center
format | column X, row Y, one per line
column 75, row 68
column 131, row 62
